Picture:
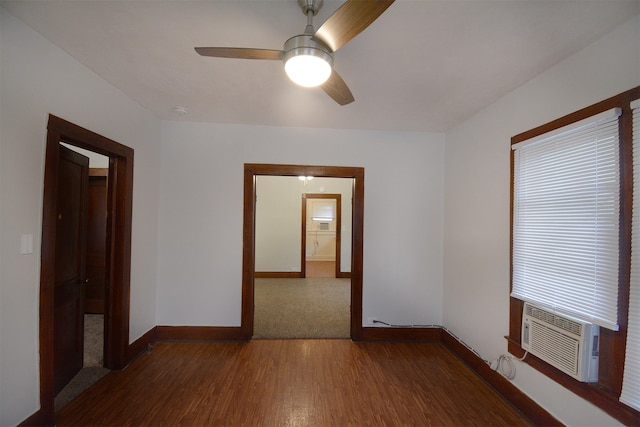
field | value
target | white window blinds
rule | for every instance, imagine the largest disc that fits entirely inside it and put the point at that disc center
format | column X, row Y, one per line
column 631, row 380
column 566, row 215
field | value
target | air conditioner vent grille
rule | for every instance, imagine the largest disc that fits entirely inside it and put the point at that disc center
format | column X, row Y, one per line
column 557, row 348
column 566, row 343
column 568, row 325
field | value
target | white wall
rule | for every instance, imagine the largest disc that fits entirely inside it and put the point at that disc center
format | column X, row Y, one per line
column 196, row 257
column 279, row 222
column 37, row 79
column 200, row 258
column 477, row 177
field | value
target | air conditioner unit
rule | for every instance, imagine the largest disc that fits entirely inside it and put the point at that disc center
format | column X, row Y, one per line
column 569, row 344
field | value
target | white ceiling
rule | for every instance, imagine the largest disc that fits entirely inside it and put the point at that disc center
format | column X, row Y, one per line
column 424, row 65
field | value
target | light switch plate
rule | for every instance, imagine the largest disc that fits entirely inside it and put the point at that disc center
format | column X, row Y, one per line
column 26, row 244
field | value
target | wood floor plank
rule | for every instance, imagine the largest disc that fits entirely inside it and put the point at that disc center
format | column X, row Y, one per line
column 292, row 383
column 320, row 269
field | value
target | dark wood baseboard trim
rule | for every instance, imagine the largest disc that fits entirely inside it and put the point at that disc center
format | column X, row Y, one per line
column 401, row 334
column 536, row 413
column 142, row 344
column 199, row 333
column 278, row 275
column 293, row 275
column 39, row 418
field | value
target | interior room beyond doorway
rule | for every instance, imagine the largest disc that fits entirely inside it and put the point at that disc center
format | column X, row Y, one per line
column 300, row 257
column 302, row 220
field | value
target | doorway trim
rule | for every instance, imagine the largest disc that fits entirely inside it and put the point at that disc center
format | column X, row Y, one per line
column 251, row 171
column 303, row 244
column 119, row 214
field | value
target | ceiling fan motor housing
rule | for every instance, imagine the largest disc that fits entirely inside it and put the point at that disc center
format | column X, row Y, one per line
column 305, row 44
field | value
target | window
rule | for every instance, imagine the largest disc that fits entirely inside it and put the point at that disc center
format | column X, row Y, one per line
column 572, row 187
column 566, row 213
column 631, row 381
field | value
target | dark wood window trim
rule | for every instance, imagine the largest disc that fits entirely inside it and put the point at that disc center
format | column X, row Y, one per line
column 604, row 394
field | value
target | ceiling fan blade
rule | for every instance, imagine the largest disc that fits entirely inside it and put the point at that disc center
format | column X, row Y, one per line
column 350, row 20
column 337, row 89
column 239, row 52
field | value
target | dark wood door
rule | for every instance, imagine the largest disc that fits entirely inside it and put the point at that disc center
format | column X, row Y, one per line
column 71, row 231
column 96, row 241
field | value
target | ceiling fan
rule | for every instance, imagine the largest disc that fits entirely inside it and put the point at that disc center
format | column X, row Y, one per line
column 308, row 57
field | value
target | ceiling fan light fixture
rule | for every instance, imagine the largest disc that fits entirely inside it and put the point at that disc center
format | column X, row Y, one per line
column 307, row 62
column 307, row 70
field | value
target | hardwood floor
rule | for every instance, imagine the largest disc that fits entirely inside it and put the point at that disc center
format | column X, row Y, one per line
column 320, row 268
column 292, row 383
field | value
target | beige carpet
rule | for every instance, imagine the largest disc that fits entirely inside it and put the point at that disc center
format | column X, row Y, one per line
column 302, row 308
column 93, row 340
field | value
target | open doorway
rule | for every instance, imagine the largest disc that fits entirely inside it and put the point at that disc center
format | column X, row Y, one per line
column 59, row 192
column 252, row 172
column 297, row 292
column 90, row 318
column 321, row 234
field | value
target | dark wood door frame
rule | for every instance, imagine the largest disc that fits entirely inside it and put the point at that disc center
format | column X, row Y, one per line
column 303, row 245
column 251, row 171
column 119, row 212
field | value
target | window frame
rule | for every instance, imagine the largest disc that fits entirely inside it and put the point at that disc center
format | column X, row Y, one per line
column 606, row 392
